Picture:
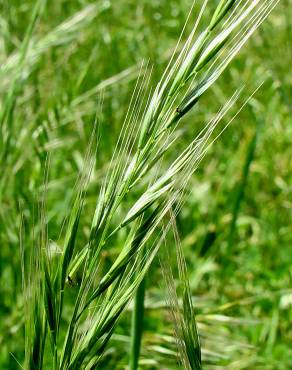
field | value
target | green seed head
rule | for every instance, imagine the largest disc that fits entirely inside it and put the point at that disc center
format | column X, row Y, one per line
column 220, row 12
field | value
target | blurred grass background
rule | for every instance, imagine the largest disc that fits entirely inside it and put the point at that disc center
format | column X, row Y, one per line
column 236, row 222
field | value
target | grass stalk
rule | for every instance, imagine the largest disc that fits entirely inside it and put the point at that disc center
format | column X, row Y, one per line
column 239, row 193
column 137, row 325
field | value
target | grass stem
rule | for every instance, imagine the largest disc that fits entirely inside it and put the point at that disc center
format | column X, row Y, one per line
column 137, row 326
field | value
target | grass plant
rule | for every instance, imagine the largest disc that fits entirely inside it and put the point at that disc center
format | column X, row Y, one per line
column 78, row 282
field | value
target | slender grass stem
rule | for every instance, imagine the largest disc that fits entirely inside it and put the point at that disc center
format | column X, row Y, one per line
column 241, row 188
column 137, row 326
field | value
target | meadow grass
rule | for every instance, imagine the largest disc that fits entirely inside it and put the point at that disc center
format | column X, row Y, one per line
column 79, row 275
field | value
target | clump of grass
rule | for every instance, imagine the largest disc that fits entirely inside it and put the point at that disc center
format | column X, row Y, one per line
column 146, row 136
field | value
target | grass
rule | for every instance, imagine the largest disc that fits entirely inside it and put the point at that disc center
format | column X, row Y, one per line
column 134, row 134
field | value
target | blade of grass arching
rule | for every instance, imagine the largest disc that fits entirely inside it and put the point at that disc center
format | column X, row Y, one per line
column 137, row 325
column 62, row 34
column 239, row 192
column 125, row 76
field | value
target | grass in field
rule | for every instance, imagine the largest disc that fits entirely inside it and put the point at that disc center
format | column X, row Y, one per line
column 216, row 243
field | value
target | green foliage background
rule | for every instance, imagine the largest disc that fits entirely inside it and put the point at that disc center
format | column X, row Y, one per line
column 235, row 225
